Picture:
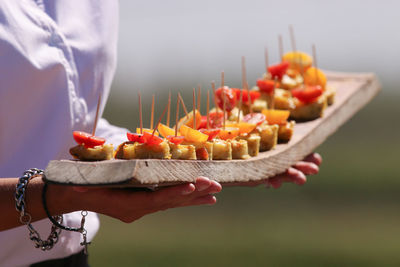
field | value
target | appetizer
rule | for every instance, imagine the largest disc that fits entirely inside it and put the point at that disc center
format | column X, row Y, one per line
column 90, row 147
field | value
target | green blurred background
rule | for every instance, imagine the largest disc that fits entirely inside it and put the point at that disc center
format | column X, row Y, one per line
column 347, row 215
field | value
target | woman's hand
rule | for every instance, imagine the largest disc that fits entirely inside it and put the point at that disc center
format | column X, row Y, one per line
column 128, row 205
column 295, row 174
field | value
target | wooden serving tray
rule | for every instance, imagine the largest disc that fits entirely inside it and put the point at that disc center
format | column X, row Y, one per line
column 354, row 91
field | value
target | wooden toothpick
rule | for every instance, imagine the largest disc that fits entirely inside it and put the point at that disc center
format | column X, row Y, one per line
column 245, row 84
column 266, row 59
column 292, row 39
column 272, row 103
column 223, row 107
column 243, row 72
column 194, row 108
column 240, row 105
column 215, row 98
column 152, row 113
column 199, row 98
column 314, row 52
column 222, row 79
column 280, row 41
column 208, row 109
column 140, row 113
column 159, row 120
column 169, row 107
column 177, row 115
column 97, row 115
column 249, row 98
column 183, row 104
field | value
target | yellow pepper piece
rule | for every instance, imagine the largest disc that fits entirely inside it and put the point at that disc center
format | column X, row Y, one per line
column 166, row 131
column 299, row 61
column 192, row 135
column 276, row 116
column 146, row 130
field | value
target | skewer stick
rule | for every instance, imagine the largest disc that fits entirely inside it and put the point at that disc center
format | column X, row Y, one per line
column 199, row 98
column 223, row 108
column 292, row 39
column 183, row 104
column 314, row 53
column 243, row 72
column 140, row 113
column 240, row 105
column 249, row 98
column 272, row 105
column 177, row 115
column 222, row 79
column 215, row 98
column 302, row 70
column 280, row 40
column 208, row 109
column 169, row 107
column 159, row 120
column 266, row 60
column 245, row 84
column 152, row 113
column 194, row 108
column 97, row 115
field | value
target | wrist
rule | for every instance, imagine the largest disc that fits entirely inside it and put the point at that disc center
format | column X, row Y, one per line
column 62, row 199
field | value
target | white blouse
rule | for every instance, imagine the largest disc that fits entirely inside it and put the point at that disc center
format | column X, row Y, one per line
column 56, row 57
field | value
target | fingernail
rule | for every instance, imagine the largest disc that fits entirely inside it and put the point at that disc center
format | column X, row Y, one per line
column 188, row 190
column 202, row 187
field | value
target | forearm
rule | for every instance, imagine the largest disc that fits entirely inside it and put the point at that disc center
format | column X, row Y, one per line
column 60, row 199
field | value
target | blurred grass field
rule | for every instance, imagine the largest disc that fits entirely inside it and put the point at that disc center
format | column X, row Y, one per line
column 348, row 215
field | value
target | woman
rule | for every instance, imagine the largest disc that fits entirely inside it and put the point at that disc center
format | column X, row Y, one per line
column 56, row 57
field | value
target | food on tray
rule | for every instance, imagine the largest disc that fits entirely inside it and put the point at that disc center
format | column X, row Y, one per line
column 91, row 147
column 242, row 123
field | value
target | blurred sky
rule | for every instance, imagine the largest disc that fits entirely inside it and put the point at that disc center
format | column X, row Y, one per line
column 177, row 44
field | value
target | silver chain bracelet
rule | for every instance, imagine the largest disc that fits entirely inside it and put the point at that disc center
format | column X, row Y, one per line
column 25, row 218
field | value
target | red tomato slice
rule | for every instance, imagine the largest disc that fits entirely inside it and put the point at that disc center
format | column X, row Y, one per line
column 255, row 118
column 88, row 140
column 152, row 139
column 212, row 133
column 175, row 139
column 266, row 86
column 216, row 119
column 278, row 70
column 307, row 94
column 202, row 154
column 203, row 122
column 253, row 95
column 230, row 98
column 135, row 137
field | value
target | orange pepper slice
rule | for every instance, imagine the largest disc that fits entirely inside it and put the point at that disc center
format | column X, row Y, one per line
column 188, row 120
column 192, row 135
column 276, row 116
column 244, row 127
column 146, row 130
column 228, row 133
column 166, row 131
column 314, row 76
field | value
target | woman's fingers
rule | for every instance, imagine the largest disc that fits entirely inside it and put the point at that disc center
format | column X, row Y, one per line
column 308, row 168
column 183, row 195
column 314, row 158
column 291, row 175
